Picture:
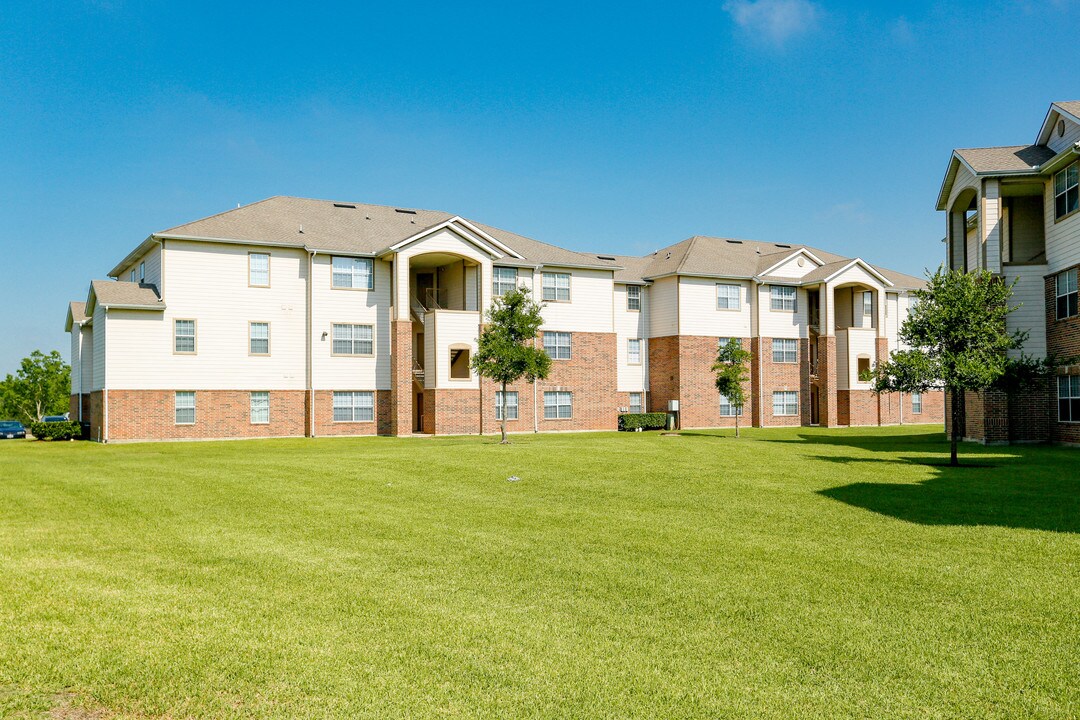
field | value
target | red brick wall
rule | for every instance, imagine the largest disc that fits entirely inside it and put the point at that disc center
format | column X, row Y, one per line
column 97, row 427
column 1062, row 340
column 324, row 416
column 73, row 407
column 590, row 375
column 452, row 412
column 401, row 377
column 933, row 408
column 663, row 372
column 784, row 376
column 524, row 423
column 151, row 415
column 828, row 408
column 699, row 402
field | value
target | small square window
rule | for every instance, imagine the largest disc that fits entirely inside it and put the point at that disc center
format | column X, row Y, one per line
column 726, row 408
column 785, row 350
column 782, row 297
column 728, row 297
column 556, row 287
column 558, row 405
column 557, row 345
column 785, row 403
column 504, row 280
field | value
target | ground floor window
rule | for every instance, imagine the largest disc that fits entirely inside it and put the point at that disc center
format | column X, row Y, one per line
column 260, row 408
column 185, row 408
column 354, row 406
column 1069, row 398
column 785, row 402
column 558, row 405
column 511, row 405
column 726, row 408
column 916, row 403
column 636, row 402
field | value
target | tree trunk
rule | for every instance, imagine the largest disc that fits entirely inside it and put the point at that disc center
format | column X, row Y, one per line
column 955, row 434
column 738, row 412
column 503, row 441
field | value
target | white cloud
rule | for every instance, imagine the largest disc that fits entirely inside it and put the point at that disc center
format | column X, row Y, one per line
column 775, row 21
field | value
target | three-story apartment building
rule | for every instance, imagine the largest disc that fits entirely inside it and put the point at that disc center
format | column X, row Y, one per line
column 294, row 317
column 1014, row 211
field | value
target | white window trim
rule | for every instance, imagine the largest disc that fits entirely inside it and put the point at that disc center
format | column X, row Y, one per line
column 640, row 405
column 1063, row 171
column 556, row 275
column 558, row 404
column 496, row 282
column 637, row 296
column 1065, row 275
column 352, row 273
column 251, row 326
column 516, row 415
column 629, row 355
column 353, row 340
column 784, row 353
column 916, row 403
column 354, row 407
column 194, row 336
column 256, row 285
column 775, row 289
column 193, row 408
column 785, row 404
column 251, row 407
column 738, row 297
column 569, row 344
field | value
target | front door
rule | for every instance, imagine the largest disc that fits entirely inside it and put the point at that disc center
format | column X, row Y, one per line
column 814, row 410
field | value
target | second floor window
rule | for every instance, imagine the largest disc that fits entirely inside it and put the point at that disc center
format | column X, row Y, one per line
column 785, row 351
column 184, row 336
column 504, row 280
column 557, row 345
column 782, row 297
column 353, row 340
column 259, row 269
column 142, row 272
column 1067, row 191
column 1066, row 294
column 727, row 297
column 868, row 304
column 633, row 351
column 259, row 338
column 633, row 298
column 353, row 273
column 556, row 287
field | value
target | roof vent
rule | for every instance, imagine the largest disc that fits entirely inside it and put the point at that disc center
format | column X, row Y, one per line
column 344, row 205
column 407, row 212
column 605, row 257
column 735, row 242
column 781, row 245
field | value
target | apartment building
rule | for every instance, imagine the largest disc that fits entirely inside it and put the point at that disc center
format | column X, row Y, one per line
column 1013, row 211
column 298, row 317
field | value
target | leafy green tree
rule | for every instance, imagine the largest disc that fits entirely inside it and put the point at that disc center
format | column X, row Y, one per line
column 958, row 340
column 40, row 387
column 505, row 352
column 731, row 368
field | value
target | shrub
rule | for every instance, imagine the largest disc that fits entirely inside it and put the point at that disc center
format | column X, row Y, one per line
column 645, row 421
column 55, row 430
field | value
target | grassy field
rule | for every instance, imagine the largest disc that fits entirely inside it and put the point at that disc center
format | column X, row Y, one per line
column 795, row 573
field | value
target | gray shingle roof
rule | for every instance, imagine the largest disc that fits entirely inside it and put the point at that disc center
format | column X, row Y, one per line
column 1070, row 106
column 1015, row 158
column 127, row 294
column 78, row 311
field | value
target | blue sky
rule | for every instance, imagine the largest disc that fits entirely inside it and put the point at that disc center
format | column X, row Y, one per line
column 616, row 127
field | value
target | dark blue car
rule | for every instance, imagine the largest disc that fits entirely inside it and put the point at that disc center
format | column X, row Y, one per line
column 10, row 430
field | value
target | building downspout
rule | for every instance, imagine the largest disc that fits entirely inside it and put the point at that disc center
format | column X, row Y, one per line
column 308, row 347
column 105, row 382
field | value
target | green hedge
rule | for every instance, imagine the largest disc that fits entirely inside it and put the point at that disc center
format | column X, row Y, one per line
column 55, row 430
column 645, row 421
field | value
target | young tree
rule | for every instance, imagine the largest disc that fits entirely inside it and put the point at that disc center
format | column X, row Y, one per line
column 731, row 372
column 40, row 387
column 504, row 352
column 958, row 340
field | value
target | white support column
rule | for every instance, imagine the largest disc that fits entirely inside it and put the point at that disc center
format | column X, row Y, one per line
column 990, row 226
column 879, row 319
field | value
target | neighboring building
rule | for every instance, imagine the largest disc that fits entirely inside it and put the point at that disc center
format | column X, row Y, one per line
column 1013, row 211
column 293, row 317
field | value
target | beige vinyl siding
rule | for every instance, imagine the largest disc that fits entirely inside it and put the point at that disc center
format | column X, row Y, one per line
column 100, row 331
column 698, row 314
column 591, row 302
column 451, row 327
column 892, row 319
column 783, row 324
column 1057, row 143
column 843, row 354
column 903, row 306
column 152, row 258
column 76, row 357
column 209, row 283
column 1062, row 237
column 1030, row 295
column 443, row 241
column 990, row 226
column 630, row 324
column 663, row 302
column 858, row 341
column 352, row 307
column 86, row 359
column 971, row 247
column 792, row 269
column 964, row 180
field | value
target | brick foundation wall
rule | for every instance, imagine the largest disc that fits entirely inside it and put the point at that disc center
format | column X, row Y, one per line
column 1063, row 341
column 401, row 377
column 699, row 402
column 783, row 376
column 324, row 416
column 97, row 427
column 828, row 407
column 151, row 415
column 74, row 403
column 663, row 372
column 590, row 375
column 524, row 423
column 452, row 412
column 933, row 408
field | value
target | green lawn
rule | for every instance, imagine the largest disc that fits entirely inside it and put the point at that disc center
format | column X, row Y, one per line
column 791, row 573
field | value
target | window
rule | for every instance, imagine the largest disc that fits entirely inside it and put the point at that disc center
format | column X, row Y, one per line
column 184, row 403
column 354, row 406
column 782, row 297
column 728, row 297
column 785, row 350
column 260, row 408
column 868, row 304
column 142, row 272
column 184, row 336
column 353, row 340
column 511, row 405
column 637, row 405
column 259, row 338
column 1066, row 189
column 726, row 408
column 1069, row 398
column 633, row 351
column 722, row 342
column 558, row 405
column 916, row 403
column 862, row 365
column 353, row 273
column 503, row 280
column 1066, row 294
column 459, row 362
column 557, row 345
column 132, row 274
column 259, row 269
column 785, row 402
column 557, row 287
column 633, row 298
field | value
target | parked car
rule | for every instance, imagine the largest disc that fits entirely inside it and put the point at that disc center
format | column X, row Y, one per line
column 55, row 418
column 11, row 429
